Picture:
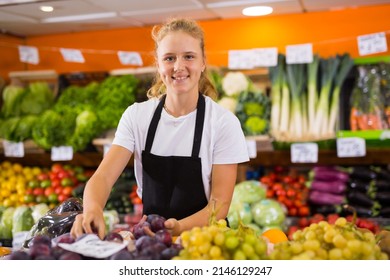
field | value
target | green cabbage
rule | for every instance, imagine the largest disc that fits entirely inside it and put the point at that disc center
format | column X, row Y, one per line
column 6, row 223
column 268, row 212
column 22, row 219
column 249, row 191
column 239, row 212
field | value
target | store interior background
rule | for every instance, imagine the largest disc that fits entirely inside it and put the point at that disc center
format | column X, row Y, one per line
column 329, row 31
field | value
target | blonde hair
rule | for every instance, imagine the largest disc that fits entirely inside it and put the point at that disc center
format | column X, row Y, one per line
column 194, row 30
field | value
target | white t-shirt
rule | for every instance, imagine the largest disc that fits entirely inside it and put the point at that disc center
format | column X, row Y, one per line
column 223, row 141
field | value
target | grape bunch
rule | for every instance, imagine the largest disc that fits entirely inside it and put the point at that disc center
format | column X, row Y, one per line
column 152, row 241
column 324, row 241
column 218, row 242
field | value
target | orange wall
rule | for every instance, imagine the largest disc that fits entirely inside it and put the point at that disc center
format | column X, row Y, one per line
column 330, row 32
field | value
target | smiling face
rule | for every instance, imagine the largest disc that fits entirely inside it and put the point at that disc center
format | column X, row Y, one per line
column 180, row 62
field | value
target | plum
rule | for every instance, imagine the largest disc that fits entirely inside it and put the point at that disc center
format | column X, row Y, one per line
column 144, row 241
column 114, row 237
column 164, row 237
column 41, row 239
column 18, row 255
column 39, row 249
column 64, row 238
column 138, row 229
column 169, row 253
column 57, row 251
column 156, row 222
column 70, row 256
column 122, row 255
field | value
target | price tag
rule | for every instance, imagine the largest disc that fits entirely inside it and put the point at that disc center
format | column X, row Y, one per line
column 92, row 246
column 130, row 58
column 72, row 55
column 240, row 59
column 106, row 148
column 351, row 147
column 13, row 149
column 372, row 43
column 62, row 153
column 385, row 135
column 265, row 57
column 304, row 152
column 28, row 54
column 296, row 54
column 252, row 148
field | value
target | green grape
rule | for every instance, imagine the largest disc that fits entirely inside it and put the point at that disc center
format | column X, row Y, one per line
column 341, row 222
column 354, row 245
column 247, row 249
column 310, row 235
column 239, row 255
column 250, row 238
column 219, row 239
column 215, row 252
column 336, row 254
column 231, row 242
column 311, row 244
column 296, row 248
column 339, row 241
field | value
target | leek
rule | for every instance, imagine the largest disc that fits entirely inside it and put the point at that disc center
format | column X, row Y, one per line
column 345, row 67
column 328, row 71
column 276, row 76
column 312, row 95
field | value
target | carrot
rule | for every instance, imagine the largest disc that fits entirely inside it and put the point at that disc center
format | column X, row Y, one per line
column 353, row 119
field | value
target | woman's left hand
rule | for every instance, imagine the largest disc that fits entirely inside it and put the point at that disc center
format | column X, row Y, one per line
column 173, row 226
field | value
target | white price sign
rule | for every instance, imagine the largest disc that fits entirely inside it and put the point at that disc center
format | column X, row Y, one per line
column 372, row 43
column 351, row 147
column 72, row 55
column 62, row 153
column 92, row 246
column 304, row 152
column 13, row 149
column 298, row 54
column 28, row 54
column 240, row 59
column 265, row 57
column 130, row 58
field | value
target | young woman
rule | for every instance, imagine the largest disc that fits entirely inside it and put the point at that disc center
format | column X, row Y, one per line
column 186, row 147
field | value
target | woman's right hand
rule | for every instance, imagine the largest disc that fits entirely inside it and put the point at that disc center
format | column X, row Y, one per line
column 89, row 222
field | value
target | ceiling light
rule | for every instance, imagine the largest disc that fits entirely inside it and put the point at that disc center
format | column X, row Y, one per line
column 79, row 17
column 47, row 9
column 257, row 11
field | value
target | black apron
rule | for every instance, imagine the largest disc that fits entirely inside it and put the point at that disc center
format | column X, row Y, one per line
column 172, row 185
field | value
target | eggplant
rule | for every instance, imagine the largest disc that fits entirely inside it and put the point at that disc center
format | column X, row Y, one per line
column 323, row 198
column 326, row 174
column 381, row 185
column 361, row 211
column 385, row 212
column 382, row 197
column 326, row 209
column 69, row 205
column 336, row 187
column 362, row 173
column 51, row 225
column 359, row 185
column 361, row 199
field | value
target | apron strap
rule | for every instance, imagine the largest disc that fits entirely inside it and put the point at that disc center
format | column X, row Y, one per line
column 198, row 126
column 153, row 125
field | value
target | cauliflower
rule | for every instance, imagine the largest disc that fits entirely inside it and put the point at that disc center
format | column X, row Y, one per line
column 234, row 82
column 228, row 103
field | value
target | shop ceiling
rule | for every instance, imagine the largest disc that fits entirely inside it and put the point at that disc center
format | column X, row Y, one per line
column 24, row 18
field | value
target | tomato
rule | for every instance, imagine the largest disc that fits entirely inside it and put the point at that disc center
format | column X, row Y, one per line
column 38, row 191
column 292, row 211
column 62, row 197
column 277, row 186
column 43, row 176
column 270, row 193
column 48, row 191
column 303, row 222
column 290, row 193
column 63, row 174
column 56, row 183
column 280, row 192
column 303, row 211
column 67, row 190
column 287, row 179
column 58, row 190
column 266, row 180
column 57, row 167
